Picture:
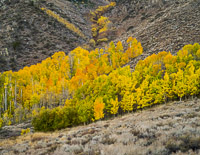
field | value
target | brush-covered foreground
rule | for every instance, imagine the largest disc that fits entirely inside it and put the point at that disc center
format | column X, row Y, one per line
column 172, row 128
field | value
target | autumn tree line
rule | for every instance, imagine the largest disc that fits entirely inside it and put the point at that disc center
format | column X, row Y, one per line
column 55, row 81
column 157, row 79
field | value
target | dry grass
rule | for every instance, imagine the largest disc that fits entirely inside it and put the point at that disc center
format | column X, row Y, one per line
column 165, row 129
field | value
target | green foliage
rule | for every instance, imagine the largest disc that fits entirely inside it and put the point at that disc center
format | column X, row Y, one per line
column 92, row 42
column 1, row 122
column 57, row 118
column 102, row 40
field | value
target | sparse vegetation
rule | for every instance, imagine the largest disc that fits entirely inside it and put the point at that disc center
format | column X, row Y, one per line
column 137, row 132
column 100, row 23
column 183, row 143
column 64, row 21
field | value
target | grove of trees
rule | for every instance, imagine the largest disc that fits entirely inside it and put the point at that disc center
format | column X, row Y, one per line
column 157, row 79
column 54, row 82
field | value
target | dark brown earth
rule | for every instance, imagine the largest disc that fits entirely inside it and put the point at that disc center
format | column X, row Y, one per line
column 28, row 35
column 160, row 25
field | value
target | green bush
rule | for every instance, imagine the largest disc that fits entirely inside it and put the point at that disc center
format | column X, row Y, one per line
column 55, row 119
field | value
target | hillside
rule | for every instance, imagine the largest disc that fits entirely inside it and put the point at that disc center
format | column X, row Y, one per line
column 159, row 25
column 28, row 35
column 99, row 77
column 164, row 129
column 33, row 36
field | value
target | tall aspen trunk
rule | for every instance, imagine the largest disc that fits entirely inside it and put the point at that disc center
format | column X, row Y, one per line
column 3, row 104
column 21, row 96
column 10, row 106
column 15, row 99
column 6, row 105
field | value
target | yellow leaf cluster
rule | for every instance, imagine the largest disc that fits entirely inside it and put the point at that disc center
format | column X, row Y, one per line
column 98, row 108
column 63, row 21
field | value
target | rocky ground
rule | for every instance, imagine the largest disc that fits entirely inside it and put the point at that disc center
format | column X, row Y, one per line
column 172, row 128
column 158, row 24
column 14, row 130
column 28, row 35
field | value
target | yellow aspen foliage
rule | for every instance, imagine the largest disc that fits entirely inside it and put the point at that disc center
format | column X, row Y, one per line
column 98, row 108
column 1, row 122
column 181, row 65
column 128, row 101
column 182, row 53
column 91, row 71
column 102, row 40
column 155, row 94
column 100, row 23
column 119, row 47
column 25, row 131
column 103, row 24
column 94, row 30
column 166, row 85
column 115, row 106
column 101, row 9
column 63, row 21
column 192, row 79
column 169, row 59
column 192, row 49
column 92, row 84
column 180, row 87
column 124, row 59
column 155, row 69
column 198, row 53
column 134, row 49
column 34, row 113
column 141, row 92
column 92, row 42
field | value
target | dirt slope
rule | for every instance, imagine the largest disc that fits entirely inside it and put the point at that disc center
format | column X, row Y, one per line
column 173, row 128
column 28, row 35
column 159, row 25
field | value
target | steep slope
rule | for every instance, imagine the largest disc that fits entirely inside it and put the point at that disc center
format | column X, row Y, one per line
column 165, row 129
column 159, row 25
column 28, row 35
